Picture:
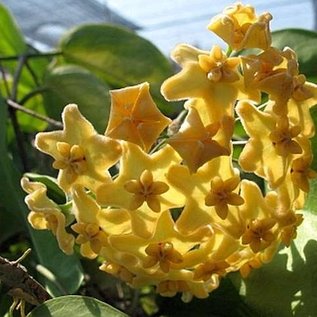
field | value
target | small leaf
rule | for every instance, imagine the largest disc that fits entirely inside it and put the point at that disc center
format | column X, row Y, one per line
column 74, row 84
column 304, row 43
column 79, row 306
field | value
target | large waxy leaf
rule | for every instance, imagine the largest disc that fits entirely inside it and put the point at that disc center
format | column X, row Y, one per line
column 74, row 84
column 119, row 57
column 66, row 270
column 12, row 41
column 116, row 54
column 304, row 43
column 79, row 306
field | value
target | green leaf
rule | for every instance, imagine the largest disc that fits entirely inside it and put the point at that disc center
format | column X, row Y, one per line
column 287, row 286
column 120, row 58
column 7, row 216
column 11, row 38
column 117, row 55
column 74, row 84
column 79, row 306
column 66, row 273
column 304, row 43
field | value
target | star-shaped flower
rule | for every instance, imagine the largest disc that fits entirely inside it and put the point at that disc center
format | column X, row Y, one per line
column 258, row 216
column 134, row 117
column 222, row 194
column 142, row 179
column 271, row 146
column 142, row 187
column 288, row 221
column 198, row 144
column 258, row 234
column 241, row 28
column 81, row 154
column 90, row 236
column 197, row 190
column 269, row 72
column 207, row 75
column 301, row 172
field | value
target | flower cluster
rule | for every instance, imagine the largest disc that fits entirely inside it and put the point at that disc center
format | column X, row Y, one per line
column 178, row 211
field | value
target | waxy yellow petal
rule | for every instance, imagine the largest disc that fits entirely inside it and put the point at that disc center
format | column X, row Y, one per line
column 79, row 140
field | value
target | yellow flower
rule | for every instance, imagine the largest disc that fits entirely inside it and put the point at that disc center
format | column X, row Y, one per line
column 91, row 239
column 141, row 180
column 162, row 253
column 90, row 236
column 269, row 73
column 258, row 234
column 142, row 187
column 303, row 97
column 221, row 195
column 276, row 73
column 134, row 116
column 283, row 136
column 207, row 75
column 210, row 267
column 94, row 224
column 81, row 155
column 288, row 222
column 301, row 172
column 196, row 215
column 258, row 216
column 145, row 189
column 46, row 214
column 218, row 67
column 241, row 28
column 176, row 215
column 197, row 144
column 271, row 146
column 117, row 270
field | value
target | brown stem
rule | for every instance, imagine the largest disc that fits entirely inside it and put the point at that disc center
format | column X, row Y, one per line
column 34, row 114
column 21, row 285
